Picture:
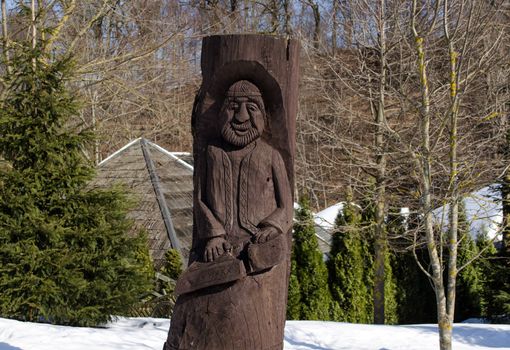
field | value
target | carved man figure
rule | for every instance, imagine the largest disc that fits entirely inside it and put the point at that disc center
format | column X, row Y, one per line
column 246, row 183
column 243, row 212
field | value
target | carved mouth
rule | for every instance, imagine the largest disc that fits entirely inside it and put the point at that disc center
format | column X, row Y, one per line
column 241, row 129
column 238, row 134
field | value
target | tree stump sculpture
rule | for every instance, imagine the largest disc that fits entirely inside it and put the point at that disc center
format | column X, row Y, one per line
column 233, row 294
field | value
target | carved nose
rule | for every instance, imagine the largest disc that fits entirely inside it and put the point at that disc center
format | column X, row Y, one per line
column 242, row 115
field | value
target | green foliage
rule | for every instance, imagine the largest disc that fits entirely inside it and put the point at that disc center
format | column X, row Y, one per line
column 160, row 302
column 414, row 295
column 497, row 292
column 368, row 228
column 505, row 200
column 173, row 264
column 487, row 263
column 468, row 300
column 502, row 298
column 495, row 266
column 390, row 291
column 351, row 268
column 65, row 256
column 497, row 289
column 143, row 255
column 309, row 273
column 294, row 294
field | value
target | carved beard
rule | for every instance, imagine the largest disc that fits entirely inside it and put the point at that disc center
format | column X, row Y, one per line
column 229, row 134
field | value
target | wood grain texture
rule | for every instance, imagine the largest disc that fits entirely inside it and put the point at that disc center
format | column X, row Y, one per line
column 233, row 295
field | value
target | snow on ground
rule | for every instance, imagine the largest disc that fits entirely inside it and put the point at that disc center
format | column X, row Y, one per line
column 301, row 335
column 150, row 333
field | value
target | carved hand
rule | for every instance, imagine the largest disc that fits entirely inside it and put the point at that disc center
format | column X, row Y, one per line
column 216, row 247
column 265, row 234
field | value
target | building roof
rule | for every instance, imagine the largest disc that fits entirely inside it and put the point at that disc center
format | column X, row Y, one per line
column 162, row 183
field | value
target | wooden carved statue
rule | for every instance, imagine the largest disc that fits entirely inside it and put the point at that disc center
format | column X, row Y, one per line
column 233, row 294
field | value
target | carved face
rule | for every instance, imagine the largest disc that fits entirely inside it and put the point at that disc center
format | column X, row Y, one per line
column 243, row 114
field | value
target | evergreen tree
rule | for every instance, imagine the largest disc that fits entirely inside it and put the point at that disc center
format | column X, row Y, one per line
column 495, row 267
column 469, row 287
column 173, row 264
column 368, row 236
column 395, row 222
column 167, row 277
column 497, row 290
column 390, row 291
column 65, row 256
column 485, row 264
column 414, row 295
column 505, row 200
column 309, row 273
column 294, row 294
column 161, row 301
column 350, row 268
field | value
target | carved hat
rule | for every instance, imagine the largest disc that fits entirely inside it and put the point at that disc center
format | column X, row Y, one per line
column 243, row 88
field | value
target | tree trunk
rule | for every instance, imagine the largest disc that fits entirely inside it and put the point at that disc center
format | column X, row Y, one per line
column 454, row 183
column 274, row 11
column 334, row 29
column 348, row 25
column 5, row 37
column 234, row 15
column 34, row 32
column 248, row 187
column 425, row 165
column 380, row 231
column 317, row 24
column 287, row 9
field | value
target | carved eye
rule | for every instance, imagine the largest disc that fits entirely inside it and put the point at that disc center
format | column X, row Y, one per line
column 252, row 107
column 233, row 106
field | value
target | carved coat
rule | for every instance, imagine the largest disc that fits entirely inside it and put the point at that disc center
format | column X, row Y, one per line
column 236, row 199
column 263, row 196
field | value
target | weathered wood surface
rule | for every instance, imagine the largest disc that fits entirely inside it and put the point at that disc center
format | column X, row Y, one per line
column 233, row 295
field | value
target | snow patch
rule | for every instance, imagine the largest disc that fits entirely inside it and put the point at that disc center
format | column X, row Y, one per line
column 326, row 218
column 484, row 212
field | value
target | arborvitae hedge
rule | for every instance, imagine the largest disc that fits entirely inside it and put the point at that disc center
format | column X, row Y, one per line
column 468, row 299
column 368, row 223
column 390, row 290
column 65, row 257
column 309, row 273
column 485, row 265
column 414, row 296
column 294, row 295
column 350, row 268
column 496, row 291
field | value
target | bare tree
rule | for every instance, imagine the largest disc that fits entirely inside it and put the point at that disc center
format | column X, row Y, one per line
column 450, row 33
